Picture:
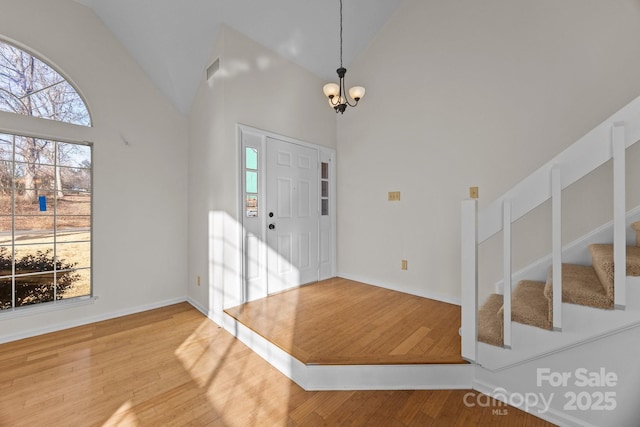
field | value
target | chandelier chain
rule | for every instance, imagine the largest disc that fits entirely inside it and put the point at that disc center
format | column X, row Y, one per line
column 337, row 93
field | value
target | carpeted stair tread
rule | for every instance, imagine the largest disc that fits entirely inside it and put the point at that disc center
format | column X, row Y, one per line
column 490, row 325
column 602, row 256
column 580, row 285
column 529, row 305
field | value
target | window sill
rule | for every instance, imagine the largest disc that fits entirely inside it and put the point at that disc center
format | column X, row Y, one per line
column 46, row 307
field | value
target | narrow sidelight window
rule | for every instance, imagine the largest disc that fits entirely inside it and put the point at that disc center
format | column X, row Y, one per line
column 251, row 182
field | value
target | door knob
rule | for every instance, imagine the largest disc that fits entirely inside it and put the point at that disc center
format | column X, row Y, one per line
column 272, row 226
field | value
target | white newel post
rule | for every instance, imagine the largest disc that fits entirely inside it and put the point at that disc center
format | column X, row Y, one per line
column 469, row 278
column 506, row 232
column 619, row 216
column 556, row 246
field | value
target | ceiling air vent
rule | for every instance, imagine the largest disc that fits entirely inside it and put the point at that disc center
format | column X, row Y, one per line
column 213, row 69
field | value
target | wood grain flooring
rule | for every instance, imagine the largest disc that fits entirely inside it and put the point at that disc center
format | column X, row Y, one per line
column 339, row 321
column 174, row 367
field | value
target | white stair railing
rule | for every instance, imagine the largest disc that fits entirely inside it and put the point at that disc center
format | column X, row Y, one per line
column 469, row 278
column 556, row 247
column 506, row 257
column 607, row 141
column 619, row 216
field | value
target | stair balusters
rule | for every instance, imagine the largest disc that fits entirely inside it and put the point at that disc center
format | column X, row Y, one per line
column 619, row 215
column 556, row 246
column 506, row 247
column 469, row 279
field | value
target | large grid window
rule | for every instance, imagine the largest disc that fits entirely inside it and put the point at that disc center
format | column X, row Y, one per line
column 45, row 220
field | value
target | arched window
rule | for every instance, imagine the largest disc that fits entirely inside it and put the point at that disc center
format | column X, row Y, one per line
column 45, row 189
column 30, row 87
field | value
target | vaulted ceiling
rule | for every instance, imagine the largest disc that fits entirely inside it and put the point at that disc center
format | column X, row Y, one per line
column 173, row 39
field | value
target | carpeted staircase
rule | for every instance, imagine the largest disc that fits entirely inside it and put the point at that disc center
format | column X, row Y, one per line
column 532, row 302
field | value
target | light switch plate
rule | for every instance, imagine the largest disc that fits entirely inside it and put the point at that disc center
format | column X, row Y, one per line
column 473, row 192
column 394, row 196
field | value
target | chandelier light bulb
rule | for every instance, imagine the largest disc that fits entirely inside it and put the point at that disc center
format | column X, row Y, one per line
column 331, row 89
column 356, row 93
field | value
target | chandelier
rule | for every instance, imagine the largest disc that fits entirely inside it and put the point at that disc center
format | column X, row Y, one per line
column 336, row 92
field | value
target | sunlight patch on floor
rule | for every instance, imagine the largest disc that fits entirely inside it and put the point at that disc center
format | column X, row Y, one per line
column 195, row 354
column 124, row 416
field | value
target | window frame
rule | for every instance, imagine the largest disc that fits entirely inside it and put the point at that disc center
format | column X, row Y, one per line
column 257, row 172
column 28, row 309
column 51, row 64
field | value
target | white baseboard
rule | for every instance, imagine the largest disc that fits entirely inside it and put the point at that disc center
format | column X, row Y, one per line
column 353, row 377
column 394, row 287
column 215, row 318
column 388, row 377
column 55, row 327
column 200, row 307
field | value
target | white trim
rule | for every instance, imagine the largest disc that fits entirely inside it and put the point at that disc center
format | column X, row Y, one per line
column 321, row 149
column 353, row 377
column 619, row 214
column 28, row 126
column 56, row 304
column 208, row 313
column 583, row 325
column 393, row 287
column 278, row 358
column 268, row 134
column 506, row 270
column 260, row 146
column 333, row 191
column 389, row 377
column 46, row 307
column 54, row 66
column 55, row 327
column 469, row 279
column 556, row 246
column 575, row 252
column 576, row 161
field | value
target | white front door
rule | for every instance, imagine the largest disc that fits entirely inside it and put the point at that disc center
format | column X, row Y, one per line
column 281, row 176
column 292, row 214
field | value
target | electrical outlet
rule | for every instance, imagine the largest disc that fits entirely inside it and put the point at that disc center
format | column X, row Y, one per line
column 394, row 196
column 404, row 264
column 198, row 280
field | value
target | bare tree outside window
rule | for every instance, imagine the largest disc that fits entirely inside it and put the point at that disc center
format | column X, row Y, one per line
column 45, row 189
column 45, row 240
column 30, row 87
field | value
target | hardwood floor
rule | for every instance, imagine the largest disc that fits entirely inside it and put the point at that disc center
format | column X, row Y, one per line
column 339, row 321
column 173, row 366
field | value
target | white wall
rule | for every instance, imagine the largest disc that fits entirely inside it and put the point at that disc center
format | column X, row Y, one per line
column 466, row 93
column 254, row 87
column 459, row 94
column 140, row 189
